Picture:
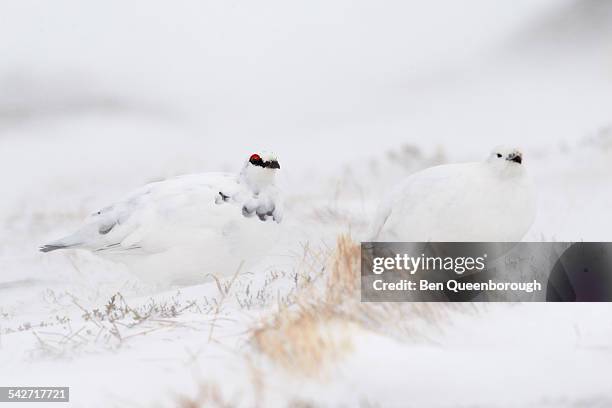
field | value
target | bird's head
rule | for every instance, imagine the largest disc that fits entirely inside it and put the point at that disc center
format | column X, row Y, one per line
column 260, row 170
column 507, row 159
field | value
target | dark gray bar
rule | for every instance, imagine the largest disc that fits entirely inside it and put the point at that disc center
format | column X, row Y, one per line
column 34, row 394
column 486, row 272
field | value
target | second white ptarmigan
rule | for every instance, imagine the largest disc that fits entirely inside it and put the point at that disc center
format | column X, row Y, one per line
column 489, row 201
column 185, row 228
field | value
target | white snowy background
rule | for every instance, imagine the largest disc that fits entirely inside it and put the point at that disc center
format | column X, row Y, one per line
column 97, row 99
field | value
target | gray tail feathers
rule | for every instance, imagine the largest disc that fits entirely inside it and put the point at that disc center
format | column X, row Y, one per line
column 68, row 242
column 52, row 247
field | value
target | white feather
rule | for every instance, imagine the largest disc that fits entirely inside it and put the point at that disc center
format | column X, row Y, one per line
column 184, row 228
column 485, row 201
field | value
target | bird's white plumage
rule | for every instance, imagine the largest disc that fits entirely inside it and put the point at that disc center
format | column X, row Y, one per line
column 184, row 228
column 485, row 201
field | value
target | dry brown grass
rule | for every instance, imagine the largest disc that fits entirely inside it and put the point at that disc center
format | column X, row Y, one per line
column 209, row 395
column 343, row 280
column 305, row 340
column 308, row 335
column 316, row 331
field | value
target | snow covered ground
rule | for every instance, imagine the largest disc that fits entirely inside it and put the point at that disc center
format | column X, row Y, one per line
column 353, row 96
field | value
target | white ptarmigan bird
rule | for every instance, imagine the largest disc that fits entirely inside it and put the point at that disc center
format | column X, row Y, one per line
column 182, row 229
column 489, row 201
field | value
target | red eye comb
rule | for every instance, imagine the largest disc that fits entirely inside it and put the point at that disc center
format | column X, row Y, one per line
column 255, row 157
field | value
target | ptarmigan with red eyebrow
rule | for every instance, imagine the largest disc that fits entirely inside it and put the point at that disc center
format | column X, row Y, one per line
column 185, row 228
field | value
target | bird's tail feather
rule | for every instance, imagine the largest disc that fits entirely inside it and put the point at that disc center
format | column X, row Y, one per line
column 52, row 247
column 64, row 243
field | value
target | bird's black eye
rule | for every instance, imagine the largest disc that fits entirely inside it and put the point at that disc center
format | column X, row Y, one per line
column 499, row 155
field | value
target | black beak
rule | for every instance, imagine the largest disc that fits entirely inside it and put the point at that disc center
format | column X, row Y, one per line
column 273, row 164
column 517, row 158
